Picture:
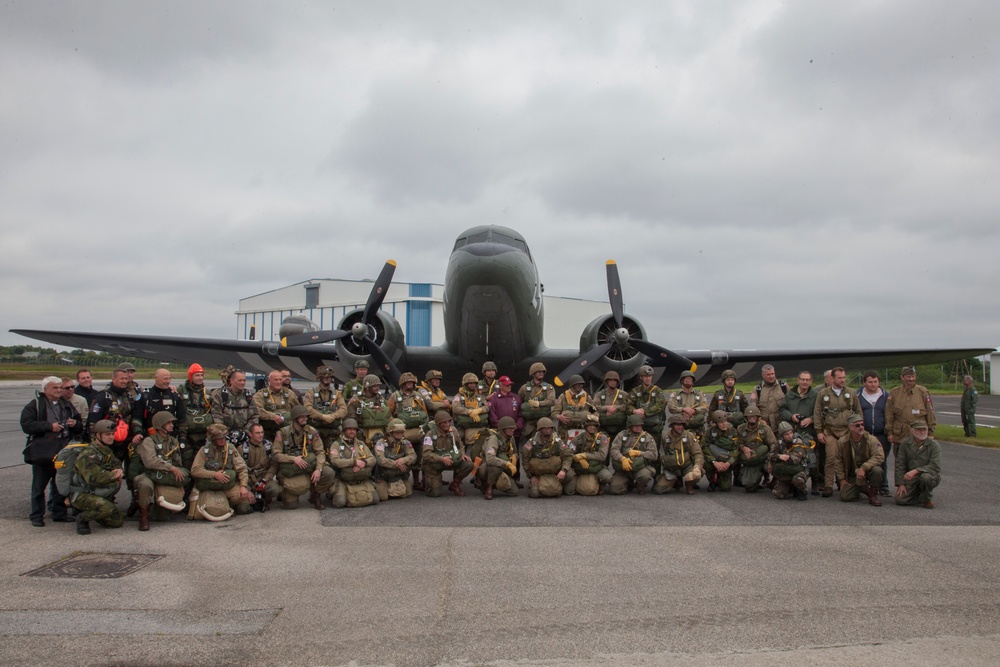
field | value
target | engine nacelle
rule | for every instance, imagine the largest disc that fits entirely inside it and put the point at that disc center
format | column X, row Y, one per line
column 296, row 324
column 386, row 333
column 626, row 360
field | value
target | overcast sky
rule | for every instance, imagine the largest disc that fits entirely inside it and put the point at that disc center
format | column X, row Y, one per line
column 767, row 174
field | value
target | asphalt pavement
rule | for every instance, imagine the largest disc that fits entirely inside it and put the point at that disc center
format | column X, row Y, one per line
column 728, row 579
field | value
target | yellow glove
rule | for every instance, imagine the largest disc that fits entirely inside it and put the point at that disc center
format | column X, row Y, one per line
column 584, row 463
column 580, row 457
column 634, row 453
column 533, row 402
column 513, row 460
column 511, row 468
column 475, row 415
column 627, row 464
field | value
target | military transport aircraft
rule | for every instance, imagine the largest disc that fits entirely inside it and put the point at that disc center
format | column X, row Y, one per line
column 492, row 311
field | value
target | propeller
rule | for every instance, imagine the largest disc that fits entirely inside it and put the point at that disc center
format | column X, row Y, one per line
column 623, row 339
column 362, row 331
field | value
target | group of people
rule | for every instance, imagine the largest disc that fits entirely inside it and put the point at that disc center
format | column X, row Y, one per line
column 231, row 451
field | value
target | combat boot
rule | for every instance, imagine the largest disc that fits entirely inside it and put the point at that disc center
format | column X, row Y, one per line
column 82, row 526
column 689, row 488
column 315, row 500
column 417, row 484
column 133, row 509
column 456, row 487
column 872, row 496
column 488, row 492
column 144, row 518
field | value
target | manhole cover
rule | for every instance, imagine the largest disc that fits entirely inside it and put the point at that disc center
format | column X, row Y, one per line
column 95, row 566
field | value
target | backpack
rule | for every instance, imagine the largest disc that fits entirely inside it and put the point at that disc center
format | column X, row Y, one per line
column 65, row 463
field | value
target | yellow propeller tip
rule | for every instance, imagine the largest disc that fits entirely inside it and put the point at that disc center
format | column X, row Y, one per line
column 611, row 261
column 694, row 367
column 391, row 261
column 557, row 381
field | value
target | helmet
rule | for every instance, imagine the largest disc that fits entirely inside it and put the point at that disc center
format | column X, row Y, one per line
column 612, row 375
column 645, row 370
column 506, row 422
column 719, row 415
column 752, row 411
column 324, row 372
column 489, row 366
column 407, row 377
column 104, row 426
column 679, row 419
column 593, row 419
column 395, row 425
column 350, row 422
column 432, row 374
column 535, row 367
column 469, row 378
column 125, row 366
column 161, row 419
column 216, row 431
column 687, row 374
column 299, row 411
column 634, row 420
column 544, row 422
column 360, row 363
column 784, row 426
column 728, row 373
column 442, row 416
column 575, row 379
column 194, row 368
column 372, row 381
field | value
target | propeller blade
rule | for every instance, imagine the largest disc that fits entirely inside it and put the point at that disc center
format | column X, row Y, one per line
column 311, row 337
column 615, row 293
column 582, row 362
column 661, row 356
column 379, row 290
column 389, row 371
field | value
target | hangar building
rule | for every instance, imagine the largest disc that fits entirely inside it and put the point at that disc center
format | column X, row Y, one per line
column 416, row 306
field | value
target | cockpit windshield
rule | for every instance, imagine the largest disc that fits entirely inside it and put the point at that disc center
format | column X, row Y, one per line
column 491, row 236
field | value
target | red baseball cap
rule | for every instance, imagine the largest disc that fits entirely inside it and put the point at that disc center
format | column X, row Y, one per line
column 505, row 380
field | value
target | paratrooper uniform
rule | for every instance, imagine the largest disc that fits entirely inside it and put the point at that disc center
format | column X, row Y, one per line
column 471, row 411
column 304, row 441
column 577, row 408
column 970, row 398
column 733, row 402
column 592, row 451
column 547, row 456
column 926, row 458
column 537, row 400
column 653, row 402
column 211, row 460
column 499, row 467
column 792, row 475
column 391, row 481
column 261, row 469
column 198, row 417
column 867, row 454
column 769, row 398
column 761, row 441
column 720, row 446
column 95, row 471
column 830, row 418
column 680, row 399
column 612, row 423
column 326, row 408
column 632, row 458
column 344, row 455
column 270, row 404
column 371, row 411
column 157, row 454
column 234, row 409
column 907, row 405
column 437, row 447
column 681, row 460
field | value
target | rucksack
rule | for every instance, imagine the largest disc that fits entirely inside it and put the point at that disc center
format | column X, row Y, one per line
column 65, row 463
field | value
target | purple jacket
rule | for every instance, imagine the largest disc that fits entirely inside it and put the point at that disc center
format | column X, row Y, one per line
column 505, row 406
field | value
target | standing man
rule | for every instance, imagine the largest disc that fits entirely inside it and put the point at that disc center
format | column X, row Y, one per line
column 370, row 410
column 834, row 404
column 78, row 402
column 689, row 403
column 505, row 403
column 918, row 467
column 537, row 398
column 116, row 404
column 274, row 405
column 572, row 409
column 858, row 463
column 908, row 403
column 488, row 385
column 612, row 405
column 49, row 420
column 768, row 396
column 85, row 387
column 355, row 386
column 649, row 402
column 433, row 396
column 798, row 406
column 232, row 403
column 132, row 387
column 873, row 399
column 197, row 411
column 729, row 399
column 970, row 397
column 162, row 398
column 326, row 406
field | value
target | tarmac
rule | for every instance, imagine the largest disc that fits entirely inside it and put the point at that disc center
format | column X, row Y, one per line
column 710, row 579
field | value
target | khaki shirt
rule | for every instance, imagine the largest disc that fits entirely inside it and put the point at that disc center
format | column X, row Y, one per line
column 906, row 405
column 869, row 455
column 316, row 396
column 831, row 411
column 271, row 403
column 301, row 443
column 679, row 451
column 229, row 458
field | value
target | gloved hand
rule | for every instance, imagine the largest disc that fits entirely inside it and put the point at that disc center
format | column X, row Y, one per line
column 584, row 463
column 533, row 403
column 627, row 464
column 580, row 457
column 513, row 461
column 511, row 468
column 475, row 415
column 634, row 453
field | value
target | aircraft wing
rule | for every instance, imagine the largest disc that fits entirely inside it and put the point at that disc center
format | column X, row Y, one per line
column 247, row 355
column 788, row 363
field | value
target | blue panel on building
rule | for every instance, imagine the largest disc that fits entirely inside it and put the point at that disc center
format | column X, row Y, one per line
column 418, row 316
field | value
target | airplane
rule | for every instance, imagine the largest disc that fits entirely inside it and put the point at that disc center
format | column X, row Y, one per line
column 493, row 311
